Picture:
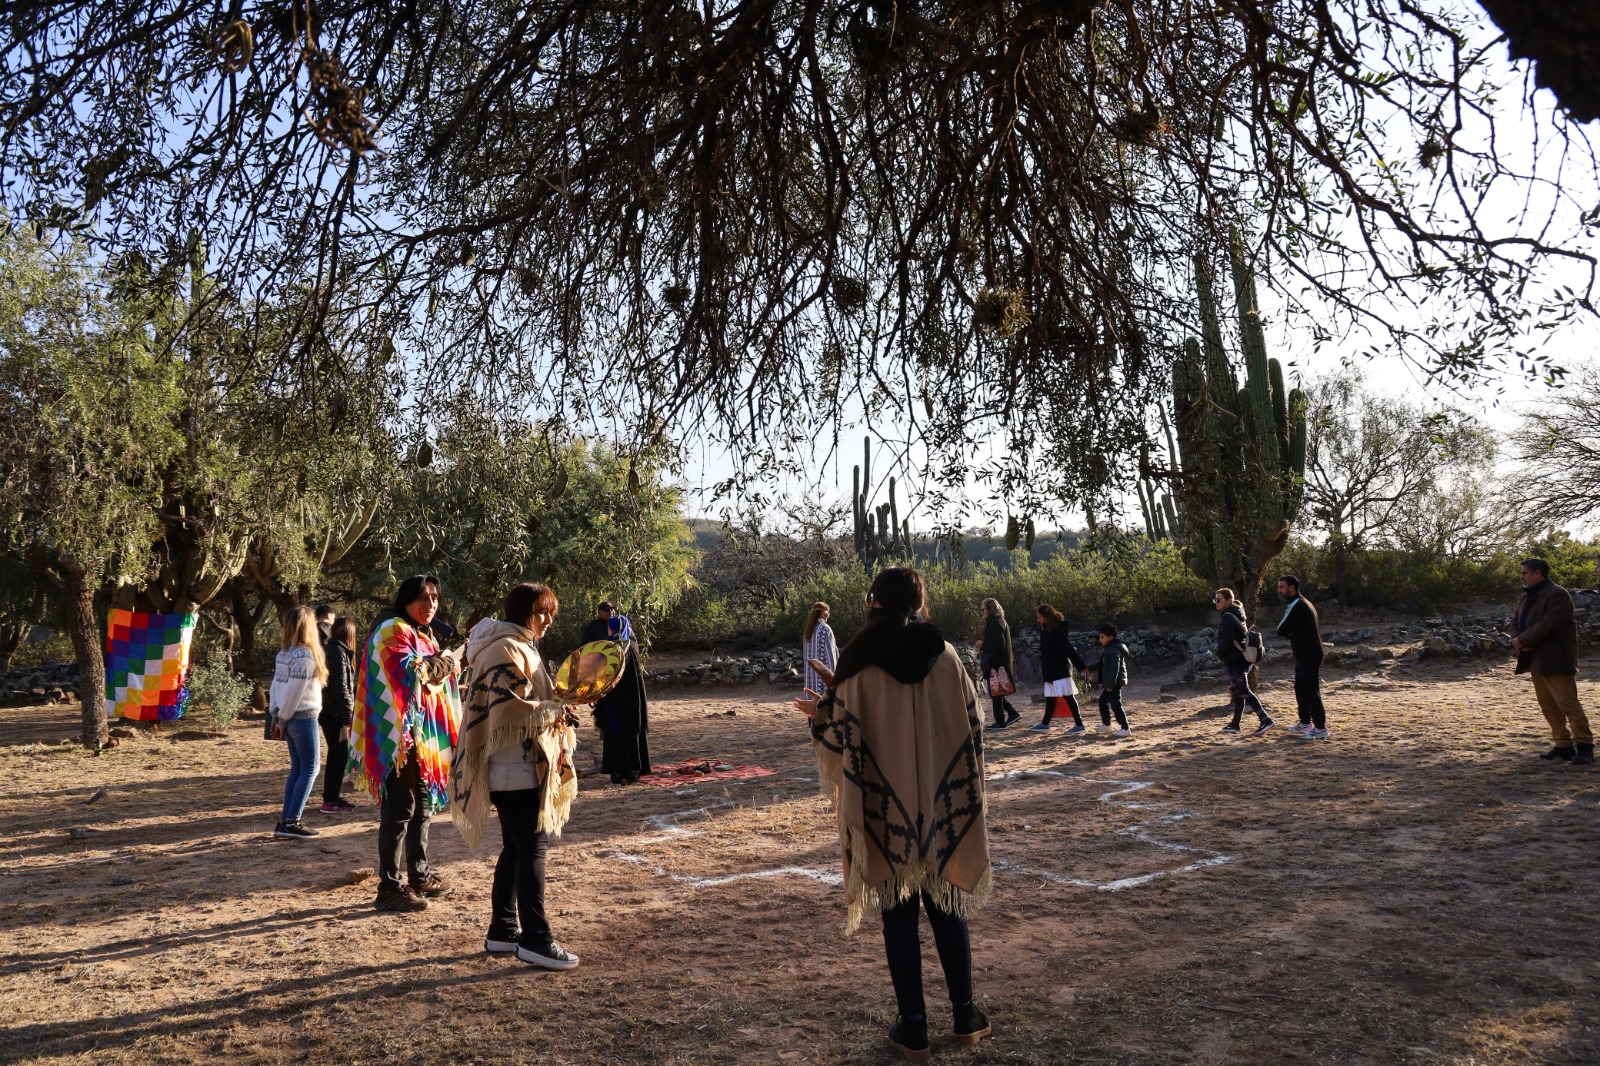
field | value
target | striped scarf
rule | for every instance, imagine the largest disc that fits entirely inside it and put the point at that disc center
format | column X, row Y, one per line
column 397, row 713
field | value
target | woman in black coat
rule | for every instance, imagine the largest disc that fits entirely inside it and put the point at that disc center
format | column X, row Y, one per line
column 1057, row 659
column 338, row 708
column 994, row 653
column 623, row 715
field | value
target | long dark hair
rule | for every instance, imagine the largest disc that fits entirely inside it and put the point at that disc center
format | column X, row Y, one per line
column 409, row 591
column 902, row 596
column 526, row 600
column 344, row 632
column 1052, row 617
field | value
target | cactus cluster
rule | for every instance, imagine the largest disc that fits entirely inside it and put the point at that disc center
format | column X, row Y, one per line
column 880, row 536
column 1241, row 452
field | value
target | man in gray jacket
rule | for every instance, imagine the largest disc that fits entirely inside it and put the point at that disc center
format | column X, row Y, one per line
column 1545, row 637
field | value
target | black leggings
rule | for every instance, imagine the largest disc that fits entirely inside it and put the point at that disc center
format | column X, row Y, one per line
column 338, row 756
column 903, row 948
column 518, row 891
column 1241, row 694
column 1050, row 708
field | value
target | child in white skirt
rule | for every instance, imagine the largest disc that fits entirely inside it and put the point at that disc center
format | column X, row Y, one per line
column 1057, row 659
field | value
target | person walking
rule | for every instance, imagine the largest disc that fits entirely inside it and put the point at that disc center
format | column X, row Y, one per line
column 1545, row 638
column 408, row 715
column 1301, row 627
column 294, row 701
column 994, row 653
column 1231, row 633
column 817, row 643
column 338, row 709
column 515, row 754
column 899, row 744
column 1057, row 659
column 1113, row 678
column 623, row 715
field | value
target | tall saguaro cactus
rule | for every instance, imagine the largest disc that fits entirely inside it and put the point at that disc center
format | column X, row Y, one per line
column 879, row 533
column 1241, row 451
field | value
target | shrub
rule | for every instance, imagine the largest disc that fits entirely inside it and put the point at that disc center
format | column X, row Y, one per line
column 216, row 694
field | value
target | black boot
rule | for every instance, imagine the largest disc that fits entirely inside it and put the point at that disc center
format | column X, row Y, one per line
column 1564, row 753
column 1584, row 755
column 909, row 1036
column 971, row 1025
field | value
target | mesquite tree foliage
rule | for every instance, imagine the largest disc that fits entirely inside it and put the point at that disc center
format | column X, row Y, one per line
column 758, row 215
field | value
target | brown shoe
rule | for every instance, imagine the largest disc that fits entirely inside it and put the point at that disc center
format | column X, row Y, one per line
column 433, row 886
column 399, row 899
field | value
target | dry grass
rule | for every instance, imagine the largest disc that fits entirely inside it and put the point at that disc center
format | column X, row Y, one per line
column 1420, row 889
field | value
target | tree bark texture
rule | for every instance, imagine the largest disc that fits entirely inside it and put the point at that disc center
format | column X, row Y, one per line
column 11, row 637
column 84, row 629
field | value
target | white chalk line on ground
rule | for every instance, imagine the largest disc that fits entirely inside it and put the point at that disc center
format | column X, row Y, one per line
column 1137, row 832
column 669, row 827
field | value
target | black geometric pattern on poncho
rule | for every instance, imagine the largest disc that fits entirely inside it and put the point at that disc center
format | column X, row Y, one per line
column 957, row 804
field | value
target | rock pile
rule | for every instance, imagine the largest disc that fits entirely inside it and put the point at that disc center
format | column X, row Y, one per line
column 780, row 665
column 51, row 683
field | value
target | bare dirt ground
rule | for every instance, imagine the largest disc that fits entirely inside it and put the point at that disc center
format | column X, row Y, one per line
column 1419, row 889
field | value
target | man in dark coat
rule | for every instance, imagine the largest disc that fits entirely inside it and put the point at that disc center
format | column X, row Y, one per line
column 623, row 714
column 1231, row 631
column 1301, row 628
column 1545, row 637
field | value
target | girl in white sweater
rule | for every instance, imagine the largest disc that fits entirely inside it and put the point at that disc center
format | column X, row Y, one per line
column 294, row 702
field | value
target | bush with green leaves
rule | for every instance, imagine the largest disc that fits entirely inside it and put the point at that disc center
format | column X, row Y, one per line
column 216, row 694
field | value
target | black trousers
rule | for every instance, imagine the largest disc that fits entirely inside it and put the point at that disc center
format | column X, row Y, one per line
column 403, row 818
column 1003, row 711
column 1050, row 708
column 1111, row 703
column 1308, row 692
column 903, row 948
column 1241, row 694
column 519, row 874
column 338, row 756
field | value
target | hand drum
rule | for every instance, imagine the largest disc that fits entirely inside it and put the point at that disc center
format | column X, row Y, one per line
column 591, row 671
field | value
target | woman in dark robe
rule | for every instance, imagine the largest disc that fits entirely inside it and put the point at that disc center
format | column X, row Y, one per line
column 623, row 715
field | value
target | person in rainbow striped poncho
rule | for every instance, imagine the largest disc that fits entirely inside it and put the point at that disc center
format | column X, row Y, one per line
column 408, row 713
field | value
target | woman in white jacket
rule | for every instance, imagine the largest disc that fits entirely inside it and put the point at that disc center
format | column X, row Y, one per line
column 515, row 752
column 295, row 701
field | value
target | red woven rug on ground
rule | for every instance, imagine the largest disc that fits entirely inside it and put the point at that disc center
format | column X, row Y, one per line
column 696, row 770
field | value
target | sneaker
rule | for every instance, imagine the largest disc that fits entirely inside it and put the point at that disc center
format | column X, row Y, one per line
column 550, row 957
column 1119, row 733
column 1266, row 724
column 337, row 807
column 401, row 900
column 1077, row 727
column 1299, row 727
column 1231, row 727
column 433, row 886
column 909, row 1036
column 1314, row 734
column 971, row 1025
column 293, row 831
column 1565, row 754
column 1040, row 728
column 495, row 945
column 1102, row 729
column 1014, row 717
column 1000, row 725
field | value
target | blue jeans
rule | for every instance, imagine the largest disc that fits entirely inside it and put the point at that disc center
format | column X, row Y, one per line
column 304, row 753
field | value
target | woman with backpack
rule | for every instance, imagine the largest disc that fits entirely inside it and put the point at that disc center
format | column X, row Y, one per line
column 1232, row 632
column 1057, row 659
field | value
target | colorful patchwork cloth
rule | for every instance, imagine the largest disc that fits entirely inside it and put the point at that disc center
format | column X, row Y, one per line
column 405, row 701
column 147, row 664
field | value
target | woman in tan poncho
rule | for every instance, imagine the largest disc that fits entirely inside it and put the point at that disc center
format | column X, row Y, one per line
column 515, row 752
column 900, row 745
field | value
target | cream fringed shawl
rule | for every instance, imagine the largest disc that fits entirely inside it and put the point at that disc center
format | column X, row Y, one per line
column 903, row 764
column 510, row 701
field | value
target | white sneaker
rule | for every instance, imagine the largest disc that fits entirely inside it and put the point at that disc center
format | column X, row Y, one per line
column 1038, row 729
column 1314, row 734
column 1299, row 727
column 499, row 947
column 1102, row 729
column 554, row 957
column 1121, row 732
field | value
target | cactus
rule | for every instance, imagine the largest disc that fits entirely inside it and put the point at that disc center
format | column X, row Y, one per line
column 1239, row 474
column 880, row 535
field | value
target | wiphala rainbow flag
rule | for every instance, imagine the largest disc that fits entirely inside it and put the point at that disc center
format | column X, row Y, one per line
column 147, row 664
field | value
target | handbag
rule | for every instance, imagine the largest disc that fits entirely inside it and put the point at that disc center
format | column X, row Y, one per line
column 266, row 726
column 1000, row 683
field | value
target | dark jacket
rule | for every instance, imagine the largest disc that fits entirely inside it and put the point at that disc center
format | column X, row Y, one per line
column 339, row 694
column 1057, row 657
column 1114, row 666
column 1549, row 634
column 1230, row 636
column 996, row 646
column 1301, row 627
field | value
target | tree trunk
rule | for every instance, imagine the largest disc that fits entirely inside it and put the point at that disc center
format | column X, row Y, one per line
column 11, row 637
column 84, row 629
